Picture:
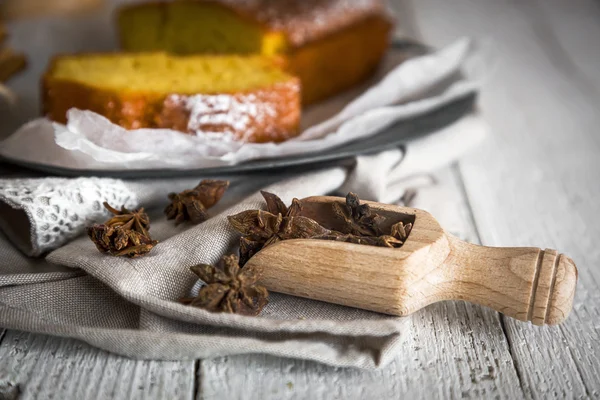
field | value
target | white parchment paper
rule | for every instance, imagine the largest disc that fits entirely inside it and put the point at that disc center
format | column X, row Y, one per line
column 90, row 141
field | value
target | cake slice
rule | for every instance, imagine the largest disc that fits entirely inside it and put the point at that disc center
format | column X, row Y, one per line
column 248, row 97
column 330, row 45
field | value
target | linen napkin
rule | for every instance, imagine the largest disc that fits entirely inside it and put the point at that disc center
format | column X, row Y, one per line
column 54, row 281
column 129, row 306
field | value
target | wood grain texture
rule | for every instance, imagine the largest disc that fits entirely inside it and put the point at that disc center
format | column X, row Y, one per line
column 534, row 182
column 452, row 350
column 536, row 179
column 525, row 283
column 49, row 367
column 373, row 278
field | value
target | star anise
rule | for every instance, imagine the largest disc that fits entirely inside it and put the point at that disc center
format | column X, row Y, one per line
column 136, row 220
column 275, row 205
column 262, row 228
column 229, row 288
column 358, row 219
column 380, row 241
column 399, row 233
column 363, row 226
column 191, row 205
column 249, row 248
column 120, row 241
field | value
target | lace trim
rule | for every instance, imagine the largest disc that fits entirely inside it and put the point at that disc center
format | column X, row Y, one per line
column 58, row 209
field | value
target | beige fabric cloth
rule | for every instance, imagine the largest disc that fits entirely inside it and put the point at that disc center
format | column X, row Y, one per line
column 130, row 307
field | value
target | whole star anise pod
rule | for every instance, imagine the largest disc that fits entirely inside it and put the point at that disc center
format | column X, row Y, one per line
column 262, row 228
column 229, row 288
column 362, row 226
column 358, row 218
column 191, row 205
column 136, row 220
column 120, row 241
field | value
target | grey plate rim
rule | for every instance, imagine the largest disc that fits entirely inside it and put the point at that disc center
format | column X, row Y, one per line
column 396, row 135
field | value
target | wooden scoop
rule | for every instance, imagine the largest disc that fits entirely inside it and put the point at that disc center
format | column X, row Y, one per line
column 525, row 283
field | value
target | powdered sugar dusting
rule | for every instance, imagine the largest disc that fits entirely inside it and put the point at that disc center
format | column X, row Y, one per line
column 307, row 20
column 268, row 114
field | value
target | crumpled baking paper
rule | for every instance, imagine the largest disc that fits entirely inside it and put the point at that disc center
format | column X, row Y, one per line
column 90, row 141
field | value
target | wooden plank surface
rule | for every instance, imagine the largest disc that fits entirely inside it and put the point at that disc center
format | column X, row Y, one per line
column 451, row 342
column 452, row 350
column 534, row 182
column 48, row 367
column 537, row 180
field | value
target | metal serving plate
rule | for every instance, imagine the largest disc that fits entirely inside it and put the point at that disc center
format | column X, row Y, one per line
column 394, row 136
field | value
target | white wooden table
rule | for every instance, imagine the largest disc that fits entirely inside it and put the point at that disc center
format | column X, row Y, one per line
column 535, row 182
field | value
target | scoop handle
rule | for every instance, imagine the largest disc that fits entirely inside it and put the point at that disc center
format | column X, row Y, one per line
column 525, row 283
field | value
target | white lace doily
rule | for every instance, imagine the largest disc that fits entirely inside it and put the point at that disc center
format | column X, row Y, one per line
column 57, row 209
